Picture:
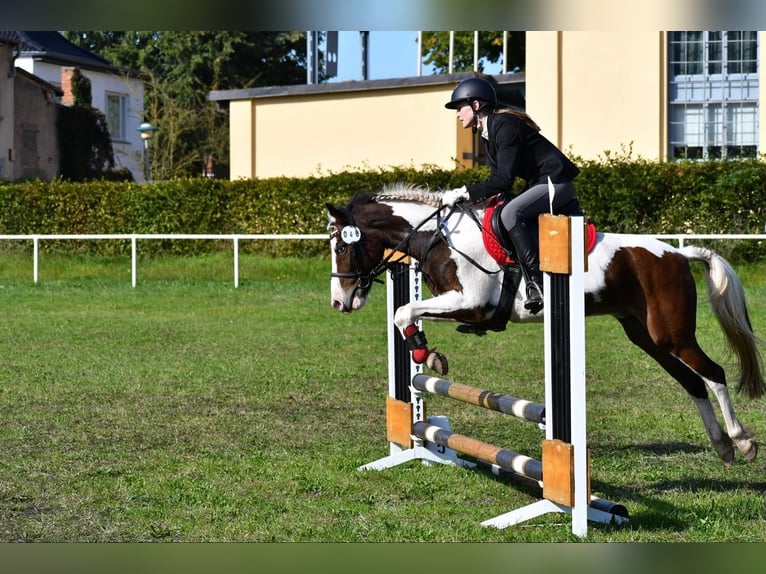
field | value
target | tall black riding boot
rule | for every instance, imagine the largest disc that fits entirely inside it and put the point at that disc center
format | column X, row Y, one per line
column 529, row 258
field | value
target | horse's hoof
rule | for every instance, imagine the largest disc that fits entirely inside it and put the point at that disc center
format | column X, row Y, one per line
column 437, row 362
column 751, row 453
column 727, row 455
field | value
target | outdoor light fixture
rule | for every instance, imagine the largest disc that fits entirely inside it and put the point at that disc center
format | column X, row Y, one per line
column 147, row 132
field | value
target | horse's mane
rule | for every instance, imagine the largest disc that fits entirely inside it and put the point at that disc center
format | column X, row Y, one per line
column 408, row 192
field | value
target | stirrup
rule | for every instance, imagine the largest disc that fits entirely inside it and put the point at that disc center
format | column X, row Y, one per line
column 534, row 302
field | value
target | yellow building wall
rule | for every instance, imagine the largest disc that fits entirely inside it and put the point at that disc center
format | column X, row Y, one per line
column 319, row 134
column 598, row 92
column 241, row 139
column 592, row 92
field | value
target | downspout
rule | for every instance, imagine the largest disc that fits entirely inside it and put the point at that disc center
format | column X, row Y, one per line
column 12, row 62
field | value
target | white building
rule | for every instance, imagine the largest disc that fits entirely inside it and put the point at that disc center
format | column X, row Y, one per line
column 118, row 93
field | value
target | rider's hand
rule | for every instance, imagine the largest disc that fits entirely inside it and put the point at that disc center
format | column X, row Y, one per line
column 453, row 196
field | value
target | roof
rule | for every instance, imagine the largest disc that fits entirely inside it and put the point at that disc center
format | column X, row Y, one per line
column 354, row 86
column 53, row 47
column 56, row 90
column 8, row 37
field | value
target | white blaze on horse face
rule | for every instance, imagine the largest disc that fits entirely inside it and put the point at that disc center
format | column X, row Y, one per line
column 339, row 297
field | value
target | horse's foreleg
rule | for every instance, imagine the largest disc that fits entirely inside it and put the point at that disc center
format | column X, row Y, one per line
column 406, row 318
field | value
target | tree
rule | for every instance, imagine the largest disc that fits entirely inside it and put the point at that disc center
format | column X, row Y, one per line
column 182, row 67
column 436, row 49
column 84, row 142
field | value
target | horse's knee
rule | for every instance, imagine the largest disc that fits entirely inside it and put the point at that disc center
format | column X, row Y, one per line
column 403, row 318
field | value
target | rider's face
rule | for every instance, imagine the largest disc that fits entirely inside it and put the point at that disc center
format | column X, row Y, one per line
column 465, row 114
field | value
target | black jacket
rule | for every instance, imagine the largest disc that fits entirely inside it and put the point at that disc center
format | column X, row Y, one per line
column 514, row 150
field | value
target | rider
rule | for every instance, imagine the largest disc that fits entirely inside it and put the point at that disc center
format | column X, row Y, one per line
column 514, row 148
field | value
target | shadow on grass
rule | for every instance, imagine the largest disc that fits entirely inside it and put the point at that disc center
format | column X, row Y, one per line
column 657, row 513
column 667, row 448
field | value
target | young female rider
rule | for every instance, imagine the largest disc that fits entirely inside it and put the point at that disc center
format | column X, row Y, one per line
column 514, row 148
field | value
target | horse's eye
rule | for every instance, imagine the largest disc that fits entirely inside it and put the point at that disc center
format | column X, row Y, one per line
column 340, row 249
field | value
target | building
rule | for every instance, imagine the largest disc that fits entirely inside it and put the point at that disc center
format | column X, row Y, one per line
column 116, row 92
column 654, row 94
column 318, row 129
column 665, row 95
column 28, row 110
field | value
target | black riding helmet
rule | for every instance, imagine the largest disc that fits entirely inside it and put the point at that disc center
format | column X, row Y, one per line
column 473, row 89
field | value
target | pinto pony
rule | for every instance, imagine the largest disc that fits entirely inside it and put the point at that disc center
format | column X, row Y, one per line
column 644, row 283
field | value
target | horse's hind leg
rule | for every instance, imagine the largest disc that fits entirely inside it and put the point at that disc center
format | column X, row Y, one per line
column 741, row 437
column 693, row 369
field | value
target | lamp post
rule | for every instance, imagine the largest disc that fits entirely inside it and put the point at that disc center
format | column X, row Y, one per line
column 147, row 131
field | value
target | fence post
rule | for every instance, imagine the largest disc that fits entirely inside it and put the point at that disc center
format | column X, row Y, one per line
column 35, row 257
column 236, row 262
column 133, row 260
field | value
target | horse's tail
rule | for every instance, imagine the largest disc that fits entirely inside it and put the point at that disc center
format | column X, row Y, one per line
column 727, row 298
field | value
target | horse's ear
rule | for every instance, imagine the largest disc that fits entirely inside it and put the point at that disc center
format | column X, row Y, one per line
column 335, row 212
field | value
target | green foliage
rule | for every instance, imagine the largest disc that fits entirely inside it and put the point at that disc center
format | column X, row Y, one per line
column 85, row 145
column 619, row 194
column 436, row 49
column 181, row 68
column 81, row 91
column 639, row 196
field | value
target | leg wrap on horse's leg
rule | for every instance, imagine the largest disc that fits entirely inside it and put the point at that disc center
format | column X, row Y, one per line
column 416, row 342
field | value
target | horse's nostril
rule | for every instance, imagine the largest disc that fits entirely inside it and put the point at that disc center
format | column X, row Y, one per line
column 337, row 305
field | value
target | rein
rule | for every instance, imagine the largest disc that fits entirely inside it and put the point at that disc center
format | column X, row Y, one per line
column 467, row 257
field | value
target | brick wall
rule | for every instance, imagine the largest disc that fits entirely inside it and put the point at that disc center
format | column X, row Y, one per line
column 66, row 86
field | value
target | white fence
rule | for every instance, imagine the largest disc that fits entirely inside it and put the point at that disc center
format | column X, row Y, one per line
column 236, row 238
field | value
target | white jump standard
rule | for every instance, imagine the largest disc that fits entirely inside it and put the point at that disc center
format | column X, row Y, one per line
column 565, row 456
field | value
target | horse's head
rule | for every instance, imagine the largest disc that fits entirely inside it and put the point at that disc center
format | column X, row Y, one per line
column 362, row 231
column 356, row 258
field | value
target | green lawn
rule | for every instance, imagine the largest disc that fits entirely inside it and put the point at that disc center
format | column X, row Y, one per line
column 188, row 410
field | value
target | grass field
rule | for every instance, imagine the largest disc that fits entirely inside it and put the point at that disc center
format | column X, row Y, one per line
column 187, row 410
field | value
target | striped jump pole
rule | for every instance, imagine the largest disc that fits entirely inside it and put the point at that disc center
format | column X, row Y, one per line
column 507, row 404
column 493, row 455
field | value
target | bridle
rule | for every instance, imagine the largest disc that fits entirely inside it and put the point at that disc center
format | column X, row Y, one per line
column 354, row 239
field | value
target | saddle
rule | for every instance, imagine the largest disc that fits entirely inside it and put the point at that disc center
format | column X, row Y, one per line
column 500, row 247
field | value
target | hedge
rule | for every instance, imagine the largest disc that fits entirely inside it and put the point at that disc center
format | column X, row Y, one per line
column 628, row 196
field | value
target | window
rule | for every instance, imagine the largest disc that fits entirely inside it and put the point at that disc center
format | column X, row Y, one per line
column 713, row 95
column 116, row 105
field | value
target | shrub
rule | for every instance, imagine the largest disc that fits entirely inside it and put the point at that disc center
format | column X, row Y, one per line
column 620, row 194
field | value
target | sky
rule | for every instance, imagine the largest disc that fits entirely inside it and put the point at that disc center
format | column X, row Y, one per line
column 391, row 55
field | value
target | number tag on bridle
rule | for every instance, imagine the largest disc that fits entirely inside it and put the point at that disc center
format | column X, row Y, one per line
column 350, row 234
